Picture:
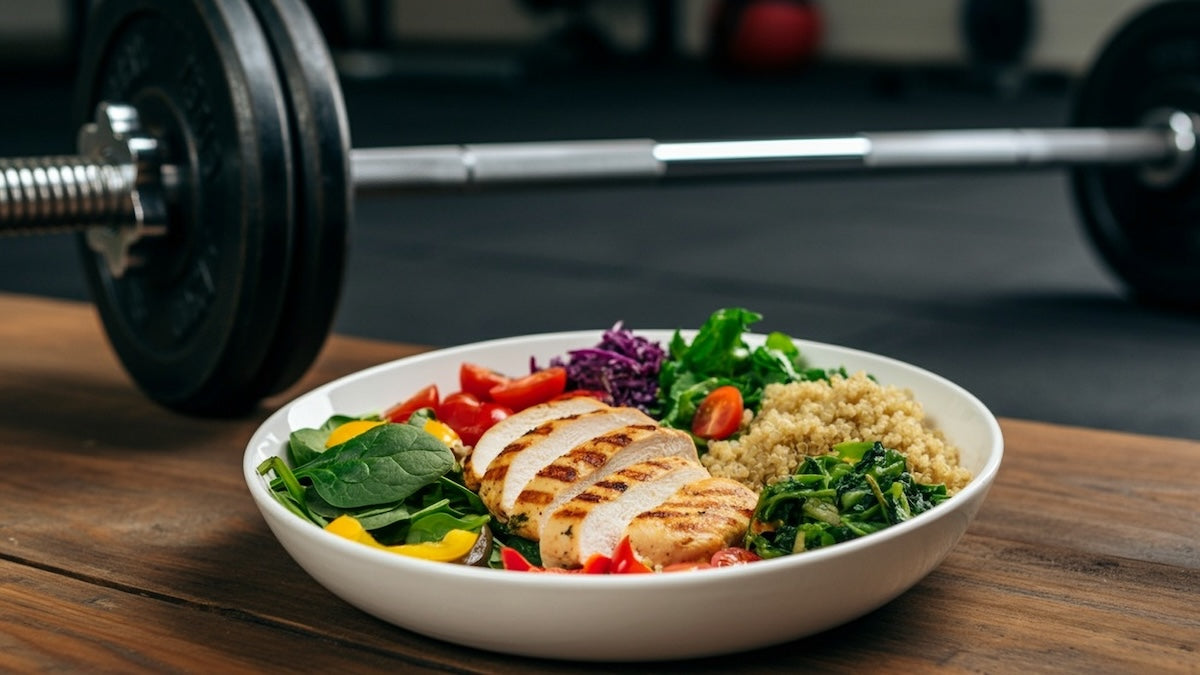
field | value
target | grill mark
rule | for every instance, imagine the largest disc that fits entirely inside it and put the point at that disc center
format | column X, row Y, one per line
column 496, row 472
column 589, row 457
column 614, row 485
column 555, row 471
column 534, row 497
column 619, row 439
column 516, row 446
column 587, row 497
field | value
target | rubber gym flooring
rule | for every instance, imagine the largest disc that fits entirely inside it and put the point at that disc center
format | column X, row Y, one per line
column 985, row 278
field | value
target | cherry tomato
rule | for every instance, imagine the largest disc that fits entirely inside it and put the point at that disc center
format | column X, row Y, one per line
column 577, row 393
column 625, row 562
column 468, row 416
column 727, row 557
column 478, row 380
column 719, row 414
column 532, row 389
column 425, row 398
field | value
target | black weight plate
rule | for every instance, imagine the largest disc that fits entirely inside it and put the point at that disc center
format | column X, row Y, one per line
column 324, row 194
column 1149, row 236
column 194, row 324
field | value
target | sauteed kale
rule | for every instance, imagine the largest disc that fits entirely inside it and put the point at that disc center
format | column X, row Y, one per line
column 860, row 488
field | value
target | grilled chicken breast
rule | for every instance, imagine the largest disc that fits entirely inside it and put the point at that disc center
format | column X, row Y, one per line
column 524, row 457
column 593, row 460
column 596, row 519
column 700, row 519
column 495, row 439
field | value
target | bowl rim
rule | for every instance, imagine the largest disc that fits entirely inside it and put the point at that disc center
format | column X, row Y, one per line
column 257, row 449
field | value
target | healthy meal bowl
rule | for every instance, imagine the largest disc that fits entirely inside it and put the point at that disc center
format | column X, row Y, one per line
column 778, row 541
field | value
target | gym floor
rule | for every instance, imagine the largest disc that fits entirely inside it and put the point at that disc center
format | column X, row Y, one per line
column 986, row 279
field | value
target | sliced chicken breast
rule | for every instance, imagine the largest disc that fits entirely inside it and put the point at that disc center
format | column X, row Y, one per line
column 521, row 459
column 495, row 439
column 596, row 519
column 592, row 461
column 698, row 520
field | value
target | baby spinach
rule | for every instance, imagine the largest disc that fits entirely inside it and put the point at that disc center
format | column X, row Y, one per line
column 860, row 488
column 402, row 484
column 384, row 464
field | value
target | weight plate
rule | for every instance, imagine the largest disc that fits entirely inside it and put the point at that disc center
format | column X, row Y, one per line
column 1149, row 236
column 195, row 322
column 323, row 189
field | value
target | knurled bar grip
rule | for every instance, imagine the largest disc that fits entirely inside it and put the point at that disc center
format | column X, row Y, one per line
column 383, row 169
column 38, row 193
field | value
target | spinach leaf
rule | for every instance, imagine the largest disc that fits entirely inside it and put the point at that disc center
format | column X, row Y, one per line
column 434, row 526
column 305, row 445
column 371, row 517
column 387, row 463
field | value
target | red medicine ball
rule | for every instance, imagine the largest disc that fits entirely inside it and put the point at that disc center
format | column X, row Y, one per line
column 766, row 35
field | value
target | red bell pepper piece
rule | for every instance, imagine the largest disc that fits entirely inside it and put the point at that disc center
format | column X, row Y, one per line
column 625, row 562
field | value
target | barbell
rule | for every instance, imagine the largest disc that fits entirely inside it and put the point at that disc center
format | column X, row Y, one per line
column 214, row 181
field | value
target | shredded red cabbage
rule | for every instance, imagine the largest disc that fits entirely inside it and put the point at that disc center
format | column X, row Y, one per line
column 624, row 366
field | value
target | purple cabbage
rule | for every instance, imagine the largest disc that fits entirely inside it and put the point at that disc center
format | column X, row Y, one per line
column 624, row 366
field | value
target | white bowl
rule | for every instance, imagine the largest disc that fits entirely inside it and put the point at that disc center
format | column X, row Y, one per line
column 625, row 617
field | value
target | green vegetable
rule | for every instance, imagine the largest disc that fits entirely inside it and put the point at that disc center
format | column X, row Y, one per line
column 719, row 355
column 858, row 489
column 401, row 483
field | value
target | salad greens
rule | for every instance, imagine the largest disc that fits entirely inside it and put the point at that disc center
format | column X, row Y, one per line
column 401, row 483
column 719, row 355
column 859, row 488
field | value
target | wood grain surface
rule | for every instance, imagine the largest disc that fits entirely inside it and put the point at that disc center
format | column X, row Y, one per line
column 129, row 543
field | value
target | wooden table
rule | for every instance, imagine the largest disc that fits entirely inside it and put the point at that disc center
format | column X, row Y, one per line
column 128, row 542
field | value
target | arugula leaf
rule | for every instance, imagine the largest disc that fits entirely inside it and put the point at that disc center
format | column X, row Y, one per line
column 387, row 463
column 719, row 355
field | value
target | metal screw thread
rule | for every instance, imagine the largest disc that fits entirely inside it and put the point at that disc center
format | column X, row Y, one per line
column 62, row 193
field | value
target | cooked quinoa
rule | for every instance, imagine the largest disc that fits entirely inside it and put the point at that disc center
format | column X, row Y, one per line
column 809, row 418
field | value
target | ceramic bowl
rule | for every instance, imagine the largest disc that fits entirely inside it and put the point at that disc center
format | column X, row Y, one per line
column 625, row 617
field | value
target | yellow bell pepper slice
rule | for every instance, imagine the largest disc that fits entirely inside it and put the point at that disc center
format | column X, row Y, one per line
column 442, row 432
column 454, row 546
column 349, row 430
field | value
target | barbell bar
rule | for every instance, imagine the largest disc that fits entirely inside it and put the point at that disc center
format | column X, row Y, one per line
column 215, row 177
column 121, row 199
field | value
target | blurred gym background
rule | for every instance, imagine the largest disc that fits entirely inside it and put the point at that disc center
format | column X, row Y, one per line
column 987, row 278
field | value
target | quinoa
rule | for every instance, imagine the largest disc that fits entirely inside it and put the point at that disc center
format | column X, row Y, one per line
column 808, row 418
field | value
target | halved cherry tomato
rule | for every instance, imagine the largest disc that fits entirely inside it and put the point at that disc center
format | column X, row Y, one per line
column 468, row 416
column 539, row 387
column 425, row 398
column 733, row 556
column 624, row 561
column 478, row 380
column 719, row 414
column 577, row 393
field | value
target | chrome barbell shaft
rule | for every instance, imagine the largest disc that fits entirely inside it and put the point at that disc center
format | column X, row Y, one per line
column 430, row 167
column 32, row 200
